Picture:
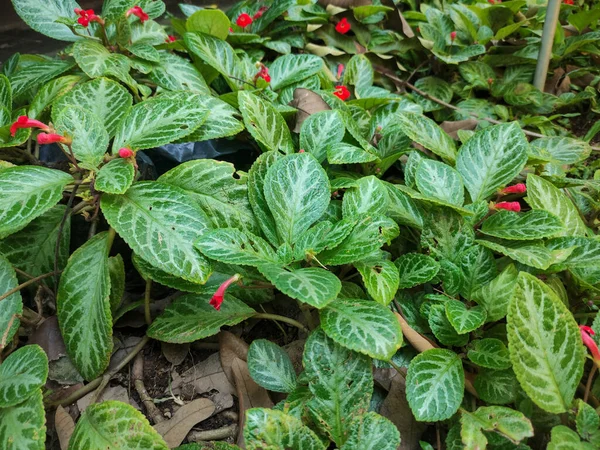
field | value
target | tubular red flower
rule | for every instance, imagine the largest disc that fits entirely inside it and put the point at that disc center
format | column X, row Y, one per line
column 453, row 35
column 170, row 38
column 340, row 70
column 509, row 206
column 568, row 2
column 217, row 298
column 263, row 73
column 50, row 138
column 243, row 20
column 126, row 153
column 586, row 337
column 86, row 16
column 342, row 92
column 259, row 13
column 519, row 188
column 343, row 26
column 138, row 12
column 26, row 122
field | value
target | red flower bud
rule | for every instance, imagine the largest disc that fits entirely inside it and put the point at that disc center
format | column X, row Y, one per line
column 259, row 13
column 340, row 70
column 218, row 296
column 126, row 153
column 568, row 2
column 243, row 20
column 26, row 122
column 138, row 12
column 342, row 92
column 343, row 26
column 586, row 337
column 509, row 206
column 301, row 150
column 453, row 35
column 170, row 38
column 50, row 138
column 519, row 188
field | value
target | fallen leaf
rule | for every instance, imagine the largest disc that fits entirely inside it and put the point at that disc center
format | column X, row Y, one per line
column 177, row 427
column 175, row 353
column 452, row 127
column 295, row 350
column 231, row 347
column 203, row 377
column 65, row 425
column 110, row 393
column 48, row 336
column 406, row 28
column 306, row 102
column 123, row 350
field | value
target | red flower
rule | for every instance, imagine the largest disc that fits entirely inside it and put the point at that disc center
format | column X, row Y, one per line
column 453, row 35
column 342, row 92
column 26, row 122
column 568, row 2
column 259, row 13
column 340, row 70
column 493, row 2
column 138, row 12
column 586, row 337
column 170, row 38
column 243, row 20
column 126, row 153
column 509, row 206
column 50, row 138
column 519, row 188
column 343, row 26
column 218, row 296
column 263, row 73
column 86, row 16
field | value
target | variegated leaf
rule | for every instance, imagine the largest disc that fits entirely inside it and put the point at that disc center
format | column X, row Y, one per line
column 22, row 374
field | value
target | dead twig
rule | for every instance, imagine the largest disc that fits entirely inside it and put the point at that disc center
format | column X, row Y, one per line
column 137, row 374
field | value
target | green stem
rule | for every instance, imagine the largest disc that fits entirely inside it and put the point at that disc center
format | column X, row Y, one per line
column 307, row 315
column 147, row 292
column 26, row 283
column 111, row 237
column 541, row 70
column 280, row 319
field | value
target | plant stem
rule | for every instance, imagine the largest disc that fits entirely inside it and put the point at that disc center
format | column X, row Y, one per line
column 307, row 315
column 280, row 319
column 147, row 292
column 541, row 70
column 111, row 237
column 588, row 385
column 96, row 382
column 59, row 235
column 26, row 283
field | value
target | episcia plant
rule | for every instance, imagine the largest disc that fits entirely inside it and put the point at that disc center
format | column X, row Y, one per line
column 465, row 266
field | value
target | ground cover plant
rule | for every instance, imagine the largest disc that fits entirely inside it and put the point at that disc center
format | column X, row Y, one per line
column 402, row 253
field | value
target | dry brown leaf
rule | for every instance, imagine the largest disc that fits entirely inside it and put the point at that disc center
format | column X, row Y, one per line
column 48, row 336
column 295, row 350
column 583, row 80
column 231, row 347
column 406, row 29
column 177, row 427
column 204, row 377
column 452, row 127
column 65, row 425
column 174, row 353
column 110, row 393
column 419, row 342
column 395, row 407
column 306, row 102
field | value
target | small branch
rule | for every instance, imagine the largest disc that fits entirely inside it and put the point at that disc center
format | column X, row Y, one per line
column 213, row 435
column 137, row 373
column 280, row 319
column 27, row 283
column 588, row 385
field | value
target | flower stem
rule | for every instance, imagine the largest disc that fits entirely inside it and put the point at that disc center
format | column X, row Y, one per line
column 588, row 385
column 280, row 319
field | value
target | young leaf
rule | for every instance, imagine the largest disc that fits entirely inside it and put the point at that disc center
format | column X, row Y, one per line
column 84, row 308
column 415, row 269
column 426, row 132
column 97, row 61
column 372, row 432
column 545, row 345
column 231, row 246
column 265, row 123
column 380, row 277
column 191, row 317
column 563, row 438
column 220, row 122
column 321, row 131
column 297, row 191
column 442, row 328
column 541, row 194
column 341, row 382
column 497, row 386
column 490, row 353
column 115, row 177
column 23, row 426
column 11, row 307
column 435, row 384
column 364, row 326
column 440, row 181
column 271, row 367
column 267, row 428
column 288, row 69
column 534, row 254
column 534, row 224
column 462, row 319
column 160, row 223
column 436, row 87
column 342, row 153
column 321, row 236
column 209, row 21
column 491, row 159
column 178, row 74
column 368, row 197
column 507, row 422
column 114, row 424
column 478, row 267
column 311, row 285
column 42, row 16
column 22, row 374
column 28, row 192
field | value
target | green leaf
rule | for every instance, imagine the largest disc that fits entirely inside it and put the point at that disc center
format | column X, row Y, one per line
column 90, row 139
column 22, row 374
column 160, row 223
column 533, row 254
column 490, row 353
column 265, row 123
column 402, row 208
column 584, row 18
column 426, row 132
column 52, row 90
column 563, row 149
column 267, row 428
column 288, row 69
column 271, row 367
column 107, row 99
column 495, row 295
column 178, row 74
column 372, row 432
column 115, row 177
column 436, row 87
column 209, row 21
column 342, row 153
column 114, row 424
column 509, row 423
column 462, row 319
column 491, row 159
column 113, row 9
column 477, row 73
column 232, row 246
column 97, row 61
column 5, row 91
column 149, row 272
column 442, row 328
column 545, row 346
column 542, row 194
column 149, row 32
column 220, row 122
column 435, row 384
column 217, row 190
column 11, row 307
column 415, row 269
column 440, row 181
column 368, row 196
column 478, row 267
column 311, row 285
column 358, row 71
column 34, row 75
column 116, row 272
column 364, row 326
column 320, row 131
column 191, row 317
column 380, row 277
column 145, row 52
column 159, row 121
column 341, row 382
column 23, row 426
column 587, row 420
column 27, row 193
column 496, row 386
column 534, row 224
column 297, row 191
column 563, row 438
column 83, row 304
column 42, row 17
column 256, row 195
